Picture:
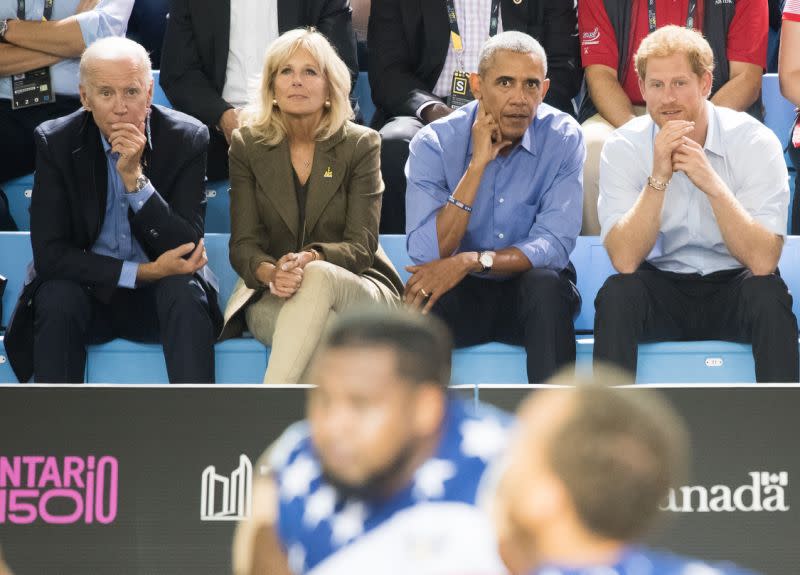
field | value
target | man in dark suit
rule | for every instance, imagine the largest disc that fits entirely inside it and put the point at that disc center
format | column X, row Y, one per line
column 412, row 61
column 117, row 227
column 214, row 49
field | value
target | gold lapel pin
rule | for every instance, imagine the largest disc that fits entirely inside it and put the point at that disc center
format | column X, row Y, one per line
column 328, row 173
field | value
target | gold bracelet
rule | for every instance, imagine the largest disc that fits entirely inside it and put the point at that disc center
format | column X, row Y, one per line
column 314, row 253
column 657, row 184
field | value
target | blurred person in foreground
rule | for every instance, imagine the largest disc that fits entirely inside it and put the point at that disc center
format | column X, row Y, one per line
column 588, row 467
column 386, row 473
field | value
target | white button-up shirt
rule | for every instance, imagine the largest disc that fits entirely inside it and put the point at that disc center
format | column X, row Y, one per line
column 254, row 26
column 742, row 151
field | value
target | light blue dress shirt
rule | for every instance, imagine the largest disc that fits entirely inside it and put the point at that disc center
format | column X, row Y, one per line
column 116, row 239
column 531, row 199
column 109, row 18
column 741, row 150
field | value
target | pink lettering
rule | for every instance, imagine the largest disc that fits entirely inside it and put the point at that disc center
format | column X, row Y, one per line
column 50, row 474
column 91, row 483
column 73, row 469
column 10, row 471
column 18, row 510
column 45, row 514
column 108, row 515
column 32, row 461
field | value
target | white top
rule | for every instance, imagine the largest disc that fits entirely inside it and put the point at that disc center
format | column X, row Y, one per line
column 746, row 155
column 254, row 26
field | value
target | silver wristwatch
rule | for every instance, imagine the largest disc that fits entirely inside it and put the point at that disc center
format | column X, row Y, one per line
column 141, row 182
column 3, row 29
column 486, row 259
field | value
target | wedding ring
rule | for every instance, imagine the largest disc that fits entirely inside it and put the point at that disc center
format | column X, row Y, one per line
column 424, row 293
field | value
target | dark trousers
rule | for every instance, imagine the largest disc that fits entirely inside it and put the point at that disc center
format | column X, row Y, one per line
column 534, row 309
column 16, row 146
column 173, row 311
column 395, row 136
column 217, row 162
column 733, row 305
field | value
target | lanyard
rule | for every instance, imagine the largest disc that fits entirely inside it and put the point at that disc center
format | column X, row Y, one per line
column 455, row 35
column 651, row 14
column 48, row 9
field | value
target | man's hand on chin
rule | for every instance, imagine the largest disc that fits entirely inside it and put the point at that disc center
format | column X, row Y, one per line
column 128, row 141
column 432, row 280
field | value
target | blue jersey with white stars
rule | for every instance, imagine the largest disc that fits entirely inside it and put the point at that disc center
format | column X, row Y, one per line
column 645, row 561
column 432, row 526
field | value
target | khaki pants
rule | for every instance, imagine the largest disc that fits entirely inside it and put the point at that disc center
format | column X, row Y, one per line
column 596, row 131
column 294, row 327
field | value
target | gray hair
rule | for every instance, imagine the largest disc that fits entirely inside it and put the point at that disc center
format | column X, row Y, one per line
column 115, row 48
column 512, row 41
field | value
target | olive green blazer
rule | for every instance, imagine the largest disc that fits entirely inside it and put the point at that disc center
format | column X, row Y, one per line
column 343, row 206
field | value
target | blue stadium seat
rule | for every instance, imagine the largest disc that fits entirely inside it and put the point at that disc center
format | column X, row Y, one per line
column 19, row 192
column 244, row 360
column 778, row 111
column 15, row 253
column 159, row 97
column 395, row 247
column 363, row 95
column 218, row 207
column 6, row 373
column 779, row 115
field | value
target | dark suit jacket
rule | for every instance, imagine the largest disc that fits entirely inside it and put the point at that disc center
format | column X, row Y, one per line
column 408, row 42
column 343, row 205
column 194, row 57
column 69, row 202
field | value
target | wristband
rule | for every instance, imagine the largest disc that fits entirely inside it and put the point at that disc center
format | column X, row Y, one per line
column 459, row 204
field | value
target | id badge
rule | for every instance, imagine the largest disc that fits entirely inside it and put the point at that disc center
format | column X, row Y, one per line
column 32, row 88
column 460, row 92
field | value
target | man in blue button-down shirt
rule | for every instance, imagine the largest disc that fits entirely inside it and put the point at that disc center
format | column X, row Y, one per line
column 117, row 227
column 494, row 204
column 31, row 42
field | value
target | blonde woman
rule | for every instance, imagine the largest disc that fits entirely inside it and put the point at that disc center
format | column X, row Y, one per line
column 305, row 202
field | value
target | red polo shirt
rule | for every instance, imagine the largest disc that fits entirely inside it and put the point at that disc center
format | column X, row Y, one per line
column 747, row 35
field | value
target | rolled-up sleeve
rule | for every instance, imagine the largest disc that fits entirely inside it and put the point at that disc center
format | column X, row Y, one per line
column 553, row 234
column 426, row 193
column 620, row 180
column 108, row 18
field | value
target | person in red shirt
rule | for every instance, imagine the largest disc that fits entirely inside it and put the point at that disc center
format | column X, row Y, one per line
column 740, row 53
column 789, row 75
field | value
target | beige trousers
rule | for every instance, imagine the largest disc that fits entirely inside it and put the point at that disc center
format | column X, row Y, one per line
column 596, row 131
column 294, row 327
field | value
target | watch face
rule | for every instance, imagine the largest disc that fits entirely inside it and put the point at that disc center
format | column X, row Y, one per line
column 486, row 260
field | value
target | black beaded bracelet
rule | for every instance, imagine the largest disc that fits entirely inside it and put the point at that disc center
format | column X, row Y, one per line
column 459, row 204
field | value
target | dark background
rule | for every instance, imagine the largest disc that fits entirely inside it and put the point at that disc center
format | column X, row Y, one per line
column 164, row 437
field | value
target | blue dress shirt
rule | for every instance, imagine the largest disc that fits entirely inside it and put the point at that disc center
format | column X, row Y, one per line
column 108, row 18
column 531, row 199
column 116, row 239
